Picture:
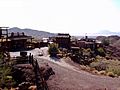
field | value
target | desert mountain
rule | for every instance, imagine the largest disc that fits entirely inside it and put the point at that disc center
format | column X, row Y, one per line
column 107, row 33
column 104, row 33
column 31, row 32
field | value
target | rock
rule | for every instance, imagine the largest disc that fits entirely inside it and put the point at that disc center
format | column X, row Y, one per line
column 95, row 72
column 102, row 72
column 46, row 71
column 23, row 73
column 111, row 74
column 24, row 86
column 25, row 76
column 33, row 87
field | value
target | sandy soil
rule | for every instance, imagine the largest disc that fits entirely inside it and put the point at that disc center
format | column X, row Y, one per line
column 69, row 77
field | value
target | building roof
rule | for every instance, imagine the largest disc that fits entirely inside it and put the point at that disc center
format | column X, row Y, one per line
column 63, row 35
column 20, row 38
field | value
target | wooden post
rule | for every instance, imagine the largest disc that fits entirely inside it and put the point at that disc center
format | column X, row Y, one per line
column 32, row 60
column 41, row 85
column 29, row 58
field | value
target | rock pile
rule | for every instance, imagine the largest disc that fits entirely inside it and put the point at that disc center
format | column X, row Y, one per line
column 25, row 76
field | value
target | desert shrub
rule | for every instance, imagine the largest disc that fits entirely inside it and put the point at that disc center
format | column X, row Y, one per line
column 99, row 65
column 113, row 66
column 101, row 52
column 87, row 52
column 105, row 42
column 114, row 69
column 107, row 65
column 53, row 50
column 83, row 56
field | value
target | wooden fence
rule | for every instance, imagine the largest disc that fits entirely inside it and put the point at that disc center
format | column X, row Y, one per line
column 40, row 82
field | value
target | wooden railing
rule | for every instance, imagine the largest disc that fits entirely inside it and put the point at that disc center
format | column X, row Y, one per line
column 40, row 82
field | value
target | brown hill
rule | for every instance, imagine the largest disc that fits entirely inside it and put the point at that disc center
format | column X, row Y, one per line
column 114, row 47
column 35, row 33
column 114, row 40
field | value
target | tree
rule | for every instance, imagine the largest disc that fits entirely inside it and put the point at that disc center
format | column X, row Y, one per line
column 53, row 50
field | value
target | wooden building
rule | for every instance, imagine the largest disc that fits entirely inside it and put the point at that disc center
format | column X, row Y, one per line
column 87, row 43
column 19, row 41
column 63, row 40
column 13, row 41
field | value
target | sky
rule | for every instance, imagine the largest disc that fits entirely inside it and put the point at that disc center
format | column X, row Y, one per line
column 62, row 16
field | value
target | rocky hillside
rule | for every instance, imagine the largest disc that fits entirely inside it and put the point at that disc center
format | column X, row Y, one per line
column 114, row 40
column 114, row 47
column 31, row 32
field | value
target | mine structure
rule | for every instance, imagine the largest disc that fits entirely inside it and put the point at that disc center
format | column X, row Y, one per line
column 4, row 38
column 14, row 41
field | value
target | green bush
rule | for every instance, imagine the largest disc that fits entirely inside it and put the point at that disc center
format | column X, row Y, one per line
column 6, row 79
column 99, row 65
column 53, row 50
column 107, row 65
column 87, row 52
column 101, row 52
column 83, row 56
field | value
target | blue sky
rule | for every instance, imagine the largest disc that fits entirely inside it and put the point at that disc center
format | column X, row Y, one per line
column 68, row 16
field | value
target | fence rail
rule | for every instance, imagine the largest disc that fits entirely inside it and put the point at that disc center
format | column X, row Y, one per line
column 40, row 82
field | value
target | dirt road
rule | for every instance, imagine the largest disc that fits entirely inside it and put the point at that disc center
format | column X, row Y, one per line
column 68, row 78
